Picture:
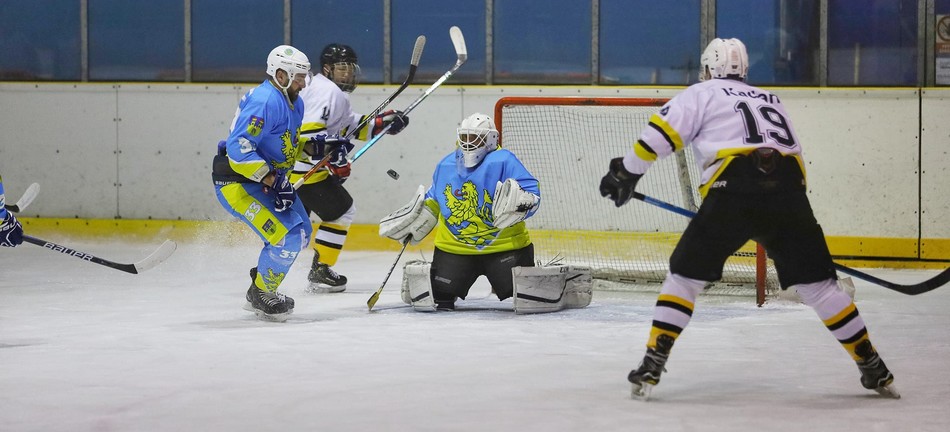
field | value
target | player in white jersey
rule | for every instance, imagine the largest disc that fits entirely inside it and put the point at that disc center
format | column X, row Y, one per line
column 329, row 114
column 753, row 184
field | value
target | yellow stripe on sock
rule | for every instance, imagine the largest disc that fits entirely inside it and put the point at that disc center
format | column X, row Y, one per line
column 840, row 315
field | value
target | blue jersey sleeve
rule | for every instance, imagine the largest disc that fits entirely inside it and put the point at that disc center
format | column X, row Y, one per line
column 246, row 136
column 3, row 203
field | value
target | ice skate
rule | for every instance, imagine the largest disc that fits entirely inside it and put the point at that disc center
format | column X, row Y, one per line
column 874, row 374
column 323, row 279
column 647, row 375
column 268, row 306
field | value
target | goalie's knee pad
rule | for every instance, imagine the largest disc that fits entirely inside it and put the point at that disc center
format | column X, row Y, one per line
column 417, row 287
column 550, row 289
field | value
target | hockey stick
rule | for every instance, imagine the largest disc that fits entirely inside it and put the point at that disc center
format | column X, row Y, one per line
column 375, row 297
column 912, row 289
column 413, row 64
column 460, row 51
column 160, row 254
column 25, row 200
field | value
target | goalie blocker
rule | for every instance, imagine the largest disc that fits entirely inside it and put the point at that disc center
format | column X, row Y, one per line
column 536, row 289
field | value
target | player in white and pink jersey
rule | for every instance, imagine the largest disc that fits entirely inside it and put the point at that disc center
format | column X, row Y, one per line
column 753, row 184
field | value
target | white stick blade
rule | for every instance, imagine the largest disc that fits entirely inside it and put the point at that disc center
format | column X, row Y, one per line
column 459, row 41
column 417, row 50
column 28, row 196
column 157, row 257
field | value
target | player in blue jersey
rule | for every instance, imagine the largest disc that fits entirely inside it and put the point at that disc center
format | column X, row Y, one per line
column 11, row 232
column 251, row 180
column 479, row 198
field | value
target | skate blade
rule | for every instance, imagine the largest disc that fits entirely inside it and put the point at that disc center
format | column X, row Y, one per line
column 888, row 391
column 641, row 391
column 261, row 315
column 318, row 288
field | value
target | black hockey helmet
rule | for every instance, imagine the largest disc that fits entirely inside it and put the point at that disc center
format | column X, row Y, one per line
column 338, row 62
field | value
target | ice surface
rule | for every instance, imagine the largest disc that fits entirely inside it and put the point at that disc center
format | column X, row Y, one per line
column 87, row 348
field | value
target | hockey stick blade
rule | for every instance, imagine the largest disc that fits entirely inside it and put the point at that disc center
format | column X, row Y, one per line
column 413, row 64
column 460, row 51
column 459, row 42
column 911, row 289
column 31, row 192
column 375, row 297
column 154, row 259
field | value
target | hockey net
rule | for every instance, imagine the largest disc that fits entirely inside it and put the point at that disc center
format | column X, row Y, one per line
column 567, row 142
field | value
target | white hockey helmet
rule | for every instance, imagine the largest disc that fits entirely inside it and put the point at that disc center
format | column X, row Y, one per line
column 288, row 59
column 477, row 137
column 724, row 58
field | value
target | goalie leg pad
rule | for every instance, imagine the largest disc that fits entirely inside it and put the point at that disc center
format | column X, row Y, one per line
column 417, row 287
column 578, row 286
column 550, row 289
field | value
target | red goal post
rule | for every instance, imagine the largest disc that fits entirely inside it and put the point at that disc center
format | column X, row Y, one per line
column 566, row 142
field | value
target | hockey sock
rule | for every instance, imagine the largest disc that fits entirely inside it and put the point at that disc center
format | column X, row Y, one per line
column 275, row 259
column 329, row 240
column 674, row 307
column 837, row 311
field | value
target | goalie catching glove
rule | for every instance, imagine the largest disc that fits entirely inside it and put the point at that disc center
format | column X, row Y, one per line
column 511, row 204
column 414, row 220
column 618, row 184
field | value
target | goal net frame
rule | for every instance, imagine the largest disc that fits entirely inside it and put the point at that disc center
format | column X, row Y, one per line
column 567, row 142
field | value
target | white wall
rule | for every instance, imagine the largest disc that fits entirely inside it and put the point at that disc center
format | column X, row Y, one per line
column 140, row 151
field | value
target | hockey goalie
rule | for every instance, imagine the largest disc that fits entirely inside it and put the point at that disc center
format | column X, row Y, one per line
column 477, row 203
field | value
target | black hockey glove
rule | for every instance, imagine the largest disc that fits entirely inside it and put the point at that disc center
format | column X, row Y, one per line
column 283, row 191
column 11, row 232
column 619, row 183
column 397, row 119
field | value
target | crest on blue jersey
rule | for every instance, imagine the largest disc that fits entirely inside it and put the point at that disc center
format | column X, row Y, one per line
column 255, row 125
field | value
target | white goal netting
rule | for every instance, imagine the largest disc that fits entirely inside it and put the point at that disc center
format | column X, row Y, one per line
column 567, row 144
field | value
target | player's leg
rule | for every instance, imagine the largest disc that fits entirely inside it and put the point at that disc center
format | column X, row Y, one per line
column 803, row 262
column 717, row 231
column 498, row 268
column 334, row 206
column 452, row 276
column 283, row 233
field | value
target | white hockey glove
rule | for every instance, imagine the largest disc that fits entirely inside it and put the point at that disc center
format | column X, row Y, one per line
column 511, row 203
column 414, row 219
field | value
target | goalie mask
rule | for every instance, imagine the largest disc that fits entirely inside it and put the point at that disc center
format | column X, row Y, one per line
column 288, row 59
column 338, row 63
column 477, row 137
column 724, row 58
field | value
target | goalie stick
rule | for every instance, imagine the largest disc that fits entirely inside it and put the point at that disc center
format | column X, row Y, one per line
column 375, row 297
column 413, row 64
column 460, row 51
column 25, row 200
column 156, row 258
column 911, row 289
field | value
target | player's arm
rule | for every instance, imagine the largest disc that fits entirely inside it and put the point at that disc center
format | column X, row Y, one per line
column 249, row 127
column 663, row 136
